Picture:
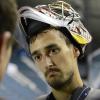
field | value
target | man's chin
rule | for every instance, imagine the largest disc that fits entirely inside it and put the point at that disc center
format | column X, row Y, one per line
column 57, row 82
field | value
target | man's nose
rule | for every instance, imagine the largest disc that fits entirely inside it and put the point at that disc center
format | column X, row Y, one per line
column 48, row 61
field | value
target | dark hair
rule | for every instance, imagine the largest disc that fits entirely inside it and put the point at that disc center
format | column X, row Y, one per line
column 33, row 28
column 8, row 15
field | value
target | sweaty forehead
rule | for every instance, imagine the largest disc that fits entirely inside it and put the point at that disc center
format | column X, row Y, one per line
column 51, row 30
column 46, row 38
column 45, row 33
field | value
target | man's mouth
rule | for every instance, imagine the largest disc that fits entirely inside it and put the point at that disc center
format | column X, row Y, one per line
column 52, row 72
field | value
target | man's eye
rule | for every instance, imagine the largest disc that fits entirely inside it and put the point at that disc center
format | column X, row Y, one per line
column 54, row 51
column 37, row 57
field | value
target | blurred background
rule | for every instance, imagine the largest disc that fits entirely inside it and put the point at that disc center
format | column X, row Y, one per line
column 23, row 81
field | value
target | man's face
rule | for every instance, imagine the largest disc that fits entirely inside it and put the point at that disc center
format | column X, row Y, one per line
column 54, row 57
column 5, row 51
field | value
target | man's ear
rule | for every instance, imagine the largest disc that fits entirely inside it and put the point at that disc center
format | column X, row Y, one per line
column 76, row 52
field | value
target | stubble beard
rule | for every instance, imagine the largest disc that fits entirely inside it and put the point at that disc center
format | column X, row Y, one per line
column 59, row 83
